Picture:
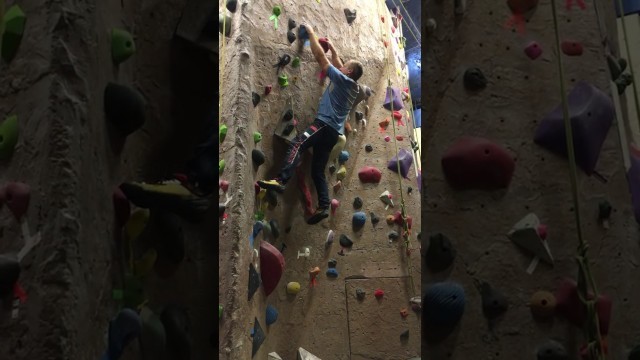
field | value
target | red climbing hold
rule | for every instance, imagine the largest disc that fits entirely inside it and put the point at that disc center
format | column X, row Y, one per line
column 581, row 4
column 256, row 188
column 477, row 163
column 121, row 206
column 324, row 42
column 397, row 218
column 224, row 185
column 17, row 196
column 570, row 306
column 399, row 137
column 382, row 18
column 369, row 174
column 398, row 116
column 378, row 294
column 267, row 89
column 522, row 6
column 306, row 194
column 533, row 50
column 272, row 266
column 572, row 48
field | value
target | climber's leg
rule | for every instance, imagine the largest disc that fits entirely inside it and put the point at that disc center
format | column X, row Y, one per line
column 321, row 151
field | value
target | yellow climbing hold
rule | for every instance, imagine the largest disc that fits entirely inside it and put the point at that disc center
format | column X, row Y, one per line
column 341, row 173
column 293, row 288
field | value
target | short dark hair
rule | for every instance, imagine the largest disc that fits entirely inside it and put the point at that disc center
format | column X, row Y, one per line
column 356, row 69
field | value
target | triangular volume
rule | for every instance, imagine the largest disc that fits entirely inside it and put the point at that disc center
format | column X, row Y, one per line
column 273, row 356
column 393, row 98
column 272, row 265
column 306, row 355
column 258, row 337
column 591, row 113
column 525, row 234
column 254, row 281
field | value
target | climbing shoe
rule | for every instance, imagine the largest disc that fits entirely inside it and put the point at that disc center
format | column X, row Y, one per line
column 319, row 215
column 272, row 185
column 170, row 196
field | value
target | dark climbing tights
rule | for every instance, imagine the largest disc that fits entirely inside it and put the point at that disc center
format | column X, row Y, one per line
column 322, row 139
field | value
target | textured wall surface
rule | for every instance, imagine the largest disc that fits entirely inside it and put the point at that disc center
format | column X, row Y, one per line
column 321, row 319
column 520, row 93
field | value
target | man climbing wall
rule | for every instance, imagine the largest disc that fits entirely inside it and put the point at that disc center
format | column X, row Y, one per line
column 322, row 135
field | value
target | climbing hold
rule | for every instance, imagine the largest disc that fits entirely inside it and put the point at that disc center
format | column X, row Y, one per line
column 387, row 138
column 616, row 66
column 9, row 274
column 123, row 329
column 17, row 196
column 153, row 338
column 357, row 203
column 302, row 33
column 332, row 273
column 296, row 62
column 386, row 198
column 405, row 160
column 443, row 305
column 374, row 219
column 552, row 350
column 432, row 25
column 378, row 293
column 9, row 131
column 283, row 81
column 271, row 315
column 542, row 231
column 474, row 79
column 404, row 313
column 393, row 99
column 334, row 205
column 324, row 43
column 333, row 263
column 221, row 165
column 272, row 266
column 275, row 12
column 409, row 190
column 267, row 90
column 494, row 303
column 258, row 157
column 282, row 61
column 399, row 138
column 571, row 307
column 343, row 157
column 254, row 280
column 358, row 220
column 337, row 186
column 329, row 241
column 257, row 137
column 332, row 168
column 384, row 123
column 291, row 24
column 221, row 209
column 345, row 241
column 393, row 235
column 391, row 219
column 477, row 163
column 123, row 46
column 522, row 6
column 124, row 107
column 369, row 174
column 368, row 148
column 291, row 36
column 222, row 132
column 275, row 228
column 542, row 304
column 350, row 14
column 293, row 288
column 360, row 294
column 14, row 23
column 258, row 334
column 224, row 24
column 525, row 234
column 440, row 253
column 622, row 82
column 341, row 173
column 533, row 50
column 231, row 5
column 460, row 6
column 604, row 213
column 591, row 113
column 255, row 98
column 359, row 115
column 287, row 130
column 572, row 48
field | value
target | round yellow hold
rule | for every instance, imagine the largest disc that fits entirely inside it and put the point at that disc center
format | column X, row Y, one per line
column 293, row 288
column 543, row 304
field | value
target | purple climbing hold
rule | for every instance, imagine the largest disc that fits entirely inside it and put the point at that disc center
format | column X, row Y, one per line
column 591, row 113
column 406, row 160
column 393, row 98
column 633, row 177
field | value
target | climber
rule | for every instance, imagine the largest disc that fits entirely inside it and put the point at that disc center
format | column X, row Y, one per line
column 333, row 110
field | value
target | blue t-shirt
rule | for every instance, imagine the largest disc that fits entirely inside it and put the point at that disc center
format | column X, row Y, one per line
column 337, row 100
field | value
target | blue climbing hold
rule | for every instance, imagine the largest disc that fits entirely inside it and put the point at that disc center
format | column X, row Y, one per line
column 302, row 33
column 123, row 329
column 359, row 219
column 272, row 315
column 257, row 227
column 332, row 273
column 443, row 306
column 344, row 156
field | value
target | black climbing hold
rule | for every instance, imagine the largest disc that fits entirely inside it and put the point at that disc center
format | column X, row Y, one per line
column 374, row 219
column 332, row 168
column 275, row 228
column 359, row 115
column 622, row 82
column 357, row 203
column 272, row 197
column 494, row 303
column 291, row 36
column 224, row 24
column 474, row 79
column 345, row 241
column 604, row 210
column 232, row 5
column 255, row 98
column 405, row 334
column 288, row 229
column 258, row 157
column 552, row 350
column 283, row 61
column 284, row 246
column 614, row 67
column 176, row 325
column 124, row 107
column 350, row 14
column 9, row 273
column 288, row 115
column 393, row 235
column 292, row 24
column 258, row 337
column 254, row 281
column 287, row 130
column 440, row 253
column 333, row 263
column 409, row 190
column 368, row 148
column 420, row 236
column 360, row 294
column 221, row 209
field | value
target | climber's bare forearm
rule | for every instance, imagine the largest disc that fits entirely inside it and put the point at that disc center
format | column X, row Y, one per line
column 335, row 59
column 317, row 51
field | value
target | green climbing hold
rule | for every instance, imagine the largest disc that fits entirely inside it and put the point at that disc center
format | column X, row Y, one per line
column 221, row 165
column 13, row 22
column 223, row 132
column 219, row 311
column 259, row 216
column 296, row 62
column 122, row 45
column 257, row 137
column 8, row 136
column 117, row 294
column 277, row 10
column 283, row 80
column 134, row 295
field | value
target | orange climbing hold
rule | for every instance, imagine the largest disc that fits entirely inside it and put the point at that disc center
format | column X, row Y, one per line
column 404, row 313
column 313, row 275
column 347, row 128
column 399, row 137
column 382, row 18
column 384, row 124
column 385, row 42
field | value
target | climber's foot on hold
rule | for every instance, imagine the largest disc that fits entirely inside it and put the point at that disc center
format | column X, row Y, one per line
column 274, row 184
column 319, row 215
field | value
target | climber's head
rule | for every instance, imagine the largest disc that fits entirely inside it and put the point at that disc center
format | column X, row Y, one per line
column 352, row 69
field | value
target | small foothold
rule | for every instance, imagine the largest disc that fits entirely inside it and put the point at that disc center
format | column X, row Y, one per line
column 622, row 82
column 494, row 303
column 271, row 315
column 387, row 138
column 343, row 157
column 572, row 48
column 267, row 90
column 332, row 168
column 255, row 98
column 359, row 115
column 384, row 123
column 296, row 62
column 283, row 61
column 393, row 235
column 283, row 81
column 360, row 294
column 292, row 24
column 17, row 196
column 368, row 148
column 552, row 350
column 345, row 241
column 333, row 263
column 335, row 203
column 379, row 294
column 332, row 273
column 293, row 288
column 288, row 115
column 409, row 190
column 224, row 24
column 277, row 10
column 341, row 173
column 222, row 133
column 357, row 203
column 533, row 50
column 405, row 334
column 231, row 5
column 221, row 165
column 122, row 45
column 124, row 108
column 258, row 157
column 291, row 36
column 374, row 219
column 432, row 25
column 337, row 186
column 525, row 234
column 257, row 137
column 474, row 79
column 223, row 185
column 390, row 219
column 358, row 220
column 350, row 14
column 14, row 24
column 9, row 131
column 543, row 304
column 440, row 253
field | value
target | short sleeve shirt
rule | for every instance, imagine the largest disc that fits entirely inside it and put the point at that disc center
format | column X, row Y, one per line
column 337, row 99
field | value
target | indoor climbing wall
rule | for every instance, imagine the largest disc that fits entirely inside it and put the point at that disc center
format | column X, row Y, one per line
column 359, row 305
column 492, row 75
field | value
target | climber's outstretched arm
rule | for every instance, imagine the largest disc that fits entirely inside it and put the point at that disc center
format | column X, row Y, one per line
column 316, row 49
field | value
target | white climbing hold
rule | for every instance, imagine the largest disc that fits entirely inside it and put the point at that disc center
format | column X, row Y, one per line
column 306, row 355
column 364, row 123
column 273, row 356
column 329, row 240
column 386, row 198
column 306, row 252
column 525, row 234
column 29, row 241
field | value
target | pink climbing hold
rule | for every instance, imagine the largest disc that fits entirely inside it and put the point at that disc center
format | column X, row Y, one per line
column 581, row 4
column 17, row 196
column 224, row 185
column 121, row 206
column 272, row 266
column 398, row 116
column 533, row 50
column 256, row 188
column 572, row 48
column 387, row 138
column 378, row 294
column 542, row 231
column 369, row 174
column 306, row 194
column 334, row 205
